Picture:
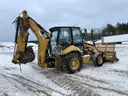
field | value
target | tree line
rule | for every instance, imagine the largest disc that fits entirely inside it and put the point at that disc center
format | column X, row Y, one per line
column 118, row 29
column 108, row 30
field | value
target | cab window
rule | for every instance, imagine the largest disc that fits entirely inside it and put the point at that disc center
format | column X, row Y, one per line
column 77, row 38
column 54, row 39
column 64, row 36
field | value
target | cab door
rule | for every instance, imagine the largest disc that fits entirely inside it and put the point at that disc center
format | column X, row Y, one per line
column 77, row 38
column 64, row 37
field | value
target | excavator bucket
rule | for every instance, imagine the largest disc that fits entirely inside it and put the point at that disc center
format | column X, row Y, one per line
column 108, row 50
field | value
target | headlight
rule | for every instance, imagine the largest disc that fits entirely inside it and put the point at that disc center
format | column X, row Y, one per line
column 57, row 50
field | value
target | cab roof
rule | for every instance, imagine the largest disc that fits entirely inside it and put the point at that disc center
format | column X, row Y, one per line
column 63, row 27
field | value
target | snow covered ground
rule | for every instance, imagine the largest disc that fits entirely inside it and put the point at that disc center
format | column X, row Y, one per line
column 116, row 38
column 108, row 80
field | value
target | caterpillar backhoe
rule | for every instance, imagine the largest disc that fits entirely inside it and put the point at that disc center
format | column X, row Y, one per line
column 62, row 47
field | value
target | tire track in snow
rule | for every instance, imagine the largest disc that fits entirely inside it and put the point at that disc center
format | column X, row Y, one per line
column 86, row 77
column 62, row 80
column 10, row 81
column 76, row 82
column 120, row 72
column 30, row 85
column 24, row 85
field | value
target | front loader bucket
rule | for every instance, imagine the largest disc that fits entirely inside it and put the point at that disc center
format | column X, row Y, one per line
column 108, row 50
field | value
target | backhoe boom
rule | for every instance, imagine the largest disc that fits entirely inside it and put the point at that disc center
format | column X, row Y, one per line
column 24, row 54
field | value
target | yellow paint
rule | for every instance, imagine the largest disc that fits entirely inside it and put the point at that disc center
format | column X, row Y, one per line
column 42, row 43
column 15, row 59
column 70, row 49
column 42, row 46
column 90, row 48
column 21, row 45
column 86, row 59
column 21, row 41
column 75, row 63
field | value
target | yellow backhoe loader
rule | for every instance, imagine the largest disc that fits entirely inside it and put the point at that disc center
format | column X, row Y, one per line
column 62, row 48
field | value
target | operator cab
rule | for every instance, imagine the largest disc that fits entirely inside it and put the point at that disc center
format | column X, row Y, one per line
column 66, row 36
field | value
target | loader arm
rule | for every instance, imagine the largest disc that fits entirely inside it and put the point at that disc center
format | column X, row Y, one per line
column 22, row 53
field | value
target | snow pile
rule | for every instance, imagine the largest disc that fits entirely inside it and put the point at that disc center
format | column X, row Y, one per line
column 9, row 46
column 6, row 46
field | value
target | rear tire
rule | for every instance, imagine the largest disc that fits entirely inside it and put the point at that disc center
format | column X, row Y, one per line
column 98, row 60
column 73, row 62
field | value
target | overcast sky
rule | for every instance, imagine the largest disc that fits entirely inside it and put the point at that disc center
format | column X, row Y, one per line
column 49, row 13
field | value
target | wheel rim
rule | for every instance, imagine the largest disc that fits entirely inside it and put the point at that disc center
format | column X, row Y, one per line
column 100, row 60
column 75, row 63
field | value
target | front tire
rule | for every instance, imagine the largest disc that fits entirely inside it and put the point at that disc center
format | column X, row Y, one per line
column 98, row 60
column 73, row 62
